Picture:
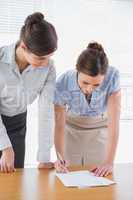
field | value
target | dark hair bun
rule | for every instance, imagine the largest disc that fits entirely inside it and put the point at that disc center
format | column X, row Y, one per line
column 35, row 18
column 95, row 46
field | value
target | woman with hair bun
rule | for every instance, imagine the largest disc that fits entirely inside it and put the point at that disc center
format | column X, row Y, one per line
column 27, row 71
column 87, row 112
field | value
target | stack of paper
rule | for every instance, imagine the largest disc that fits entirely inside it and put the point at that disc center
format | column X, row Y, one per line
column 82, row 179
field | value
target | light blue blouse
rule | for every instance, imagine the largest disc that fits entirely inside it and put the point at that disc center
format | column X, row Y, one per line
column 69, row 94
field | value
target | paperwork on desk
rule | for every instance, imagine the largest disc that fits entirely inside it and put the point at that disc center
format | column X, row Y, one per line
column 82, row 179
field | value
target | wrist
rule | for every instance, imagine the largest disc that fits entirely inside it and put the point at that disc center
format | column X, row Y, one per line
column 61, row 154
column 8, row 149
column 109, row 160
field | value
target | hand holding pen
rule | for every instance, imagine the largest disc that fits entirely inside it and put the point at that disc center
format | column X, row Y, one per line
column 61, row 164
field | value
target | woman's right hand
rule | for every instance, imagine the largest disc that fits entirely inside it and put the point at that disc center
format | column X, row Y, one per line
column 60, row 167
column 7, row 160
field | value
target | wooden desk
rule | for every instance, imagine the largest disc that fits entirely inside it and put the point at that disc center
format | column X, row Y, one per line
column 34, row 184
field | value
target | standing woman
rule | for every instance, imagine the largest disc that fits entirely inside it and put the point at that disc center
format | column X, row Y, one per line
column 87, row 110
column 27, row 71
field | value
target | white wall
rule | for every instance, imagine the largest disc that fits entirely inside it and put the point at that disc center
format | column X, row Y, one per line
column 78, row 22
column 109, row 22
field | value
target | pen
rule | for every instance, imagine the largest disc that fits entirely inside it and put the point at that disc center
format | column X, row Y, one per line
column 60, row 158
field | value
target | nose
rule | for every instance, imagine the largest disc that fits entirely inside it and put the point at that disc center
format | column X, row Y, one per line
column 89, row 89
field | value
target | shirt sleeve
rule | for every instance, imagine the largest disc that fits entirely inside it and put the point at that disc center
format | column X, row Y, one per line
column 46, row 117
column 4, row 139
column 115, row 83
column 61, row 93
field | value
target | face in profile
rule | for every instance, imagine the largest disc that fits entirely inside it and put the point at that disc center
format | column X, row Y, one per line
column 37, row 61
column 89, row 83
column 33, row 59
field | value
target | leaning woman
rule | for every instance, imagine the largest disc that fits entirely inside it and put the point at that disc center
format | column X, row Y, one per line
column 26, row 72
column 87, row 112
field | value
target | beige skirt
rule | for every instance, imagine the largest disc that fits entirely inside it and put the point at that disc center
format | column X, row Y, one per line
column 85, row 139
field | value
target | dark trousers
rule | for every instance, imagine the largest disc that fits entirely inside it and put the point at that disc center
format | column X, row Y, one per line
column 16, row 130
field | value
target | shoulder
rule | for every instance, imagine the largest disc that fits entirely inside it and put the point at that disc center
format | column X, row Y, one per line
column 47, row 71
column 2, row 82
column 66, row 78
column 3, row 51
column 112, row 76
column 67, row 75
column 51, row 66
column 113, row 80
column 112, row 72
column 6, row 53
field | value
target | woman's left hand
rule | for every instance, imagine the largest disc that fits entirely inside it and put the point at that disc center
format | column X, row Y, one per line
column 48, row 165
column 103, row 170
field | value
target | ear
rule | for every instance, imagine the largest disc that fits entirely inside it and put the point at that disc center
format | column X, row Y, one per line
column 23, row 46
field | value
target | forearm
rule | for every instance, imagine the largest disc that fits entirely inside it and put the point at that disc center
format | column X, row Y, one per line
column 59, row 140
column 59, row 129
column 114, row 107
column 113, row 136
column 45, row 129
column 46, row 117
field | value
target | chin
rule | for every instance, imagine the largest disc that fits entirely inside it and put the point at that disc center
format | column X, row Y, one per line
column 35, row 65
column 84, row 92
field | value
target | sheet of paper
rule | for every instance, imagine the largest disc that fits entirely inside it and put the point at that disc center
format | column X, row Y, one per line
column 82, row 178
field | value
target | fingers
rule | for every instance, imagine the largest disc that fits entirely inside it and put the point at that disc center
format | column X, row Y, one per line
column 93, row 170
column 3, row 168
column 10, row 168
column 102, row 171
column 98, row 171
column 6, row 168
column 61, row 168
column 7, row 160
column 66, row 163
column 109, row 171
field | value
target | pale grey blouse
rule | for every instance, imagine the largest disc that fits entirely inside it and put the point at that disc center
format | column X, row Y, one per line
column 17, row 90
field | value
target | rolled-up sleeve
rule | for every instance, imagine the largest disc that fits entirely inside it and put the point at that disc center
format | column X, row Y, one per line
column 61, row 94
column 46, row 117
column 115, row 83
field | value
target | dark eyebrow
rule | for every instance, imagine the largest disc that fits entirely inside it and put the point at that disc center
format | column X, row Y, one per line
column 86, row 82
column 96, row 85
column 41, row 58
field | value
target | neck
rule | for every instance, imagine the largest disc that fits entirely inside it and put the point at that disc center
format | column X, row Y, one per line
column 20, row 59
